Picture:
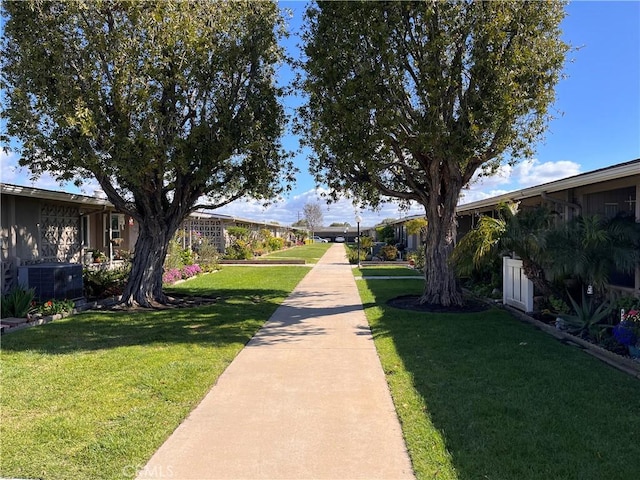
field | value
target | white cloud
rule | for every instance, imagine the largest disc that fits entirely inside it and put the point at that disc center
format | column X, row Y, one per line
column 507, row 179
column 9, row 170
column 289, row 210
column 522, row 175
column 533, row 172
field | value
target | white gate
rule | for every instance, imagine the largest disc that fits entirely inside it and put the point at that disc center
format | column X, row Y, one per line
column 517, row 289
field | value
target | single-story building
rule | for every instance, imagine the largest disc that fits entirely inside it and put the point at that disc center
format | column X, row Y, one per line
column 213, row 226
column 606, row 192
column 47, row 236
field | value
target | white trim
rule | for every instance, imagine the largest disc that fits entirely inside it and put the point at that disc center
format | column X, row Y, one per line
column 42, row 194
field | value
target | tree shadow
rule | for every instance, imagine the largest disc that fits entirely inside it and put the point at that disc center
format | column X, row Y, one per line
column 235, row 317
column 509, row 401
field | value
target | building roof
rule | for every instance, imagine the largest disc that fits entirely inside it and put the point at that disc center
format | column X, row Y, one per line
column 41, row 193
column 613, row 172
column 231, row 218
column 96, row 201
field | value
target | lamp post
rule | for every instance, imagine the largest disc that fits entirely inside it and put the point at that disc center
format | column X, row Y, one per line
column 358, row 220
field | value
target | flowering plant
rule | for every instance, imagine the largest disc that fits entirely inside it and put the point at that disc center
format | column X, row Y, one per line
column 171, row 276
column 627, row 332
column 174, row 274
column 191, row 270
column 53, row 306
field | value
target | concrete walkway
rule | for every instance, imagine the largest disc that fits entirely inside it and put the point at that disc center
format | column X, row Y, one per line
column 305, row 399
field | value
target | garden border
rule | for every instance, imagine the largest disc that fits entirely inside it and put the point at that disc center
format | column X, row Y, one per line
column 262, row 262
column 623, row 364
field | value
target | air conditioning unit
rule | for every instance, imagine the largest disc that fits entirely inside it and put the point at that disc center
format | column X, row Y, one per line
column 52, row 280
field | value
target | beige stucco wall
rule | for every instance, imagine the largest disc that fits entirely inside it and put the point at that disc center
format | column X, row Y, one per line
column 20, row 228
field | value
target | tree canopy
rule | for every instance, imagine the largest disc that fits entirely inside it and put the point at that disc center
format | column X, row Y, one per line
column 163, row 103
column 408, row 100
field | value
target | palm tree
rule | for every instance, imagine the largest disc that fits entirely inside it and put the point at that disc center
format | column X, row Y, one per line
column 479, row 247
column 526, row 236
column 587, row 248
column 591, row 248
column 523, row 233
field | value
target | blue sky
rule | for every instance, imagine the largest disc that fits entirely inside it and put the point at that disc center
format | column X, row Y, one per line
column 597, row 119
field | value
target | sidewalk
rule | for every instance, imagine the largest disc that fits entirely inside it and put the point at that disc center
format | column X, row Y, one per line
column 305, row 399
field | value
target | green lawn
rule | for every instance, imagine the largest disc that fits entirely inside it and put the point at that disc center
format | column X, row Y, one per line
column 386, row 271
column 310, row 253
column 93, row 396
column 483, row 396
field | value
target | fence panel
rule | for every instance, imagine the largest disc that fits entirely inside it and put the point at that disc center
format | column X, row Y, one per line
column 517, row 289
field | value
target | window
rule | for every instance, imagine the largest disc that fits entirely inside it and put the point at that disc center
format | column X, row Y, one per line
column 117, row 224
column 611, row 202
column 114, row 228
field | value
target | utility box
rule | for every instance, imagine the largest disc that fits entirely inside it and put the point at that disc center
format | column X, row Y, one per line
column 52, row 280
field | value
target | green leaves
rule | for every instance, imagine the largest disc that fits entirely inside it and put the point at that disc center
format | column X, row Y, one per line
column 587, row 315
column 403, row 92
column 162, row 102
column 180, row 93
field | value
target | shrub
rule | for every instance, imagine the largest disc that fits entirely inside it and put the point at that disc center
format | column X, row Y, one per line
column 17, row 303
column 366, row 242
column 238, row 233
column 186, row 256
column 105, row 283
column 189, row 271
column 239, row 250
column 386, row 234
column 389, row 252
column 53, row 307
column 588, row 317
column 171, row 276
column 207, row 256
column 418, row 258
column 275, row 243
column 173, row 258
column 352, row 254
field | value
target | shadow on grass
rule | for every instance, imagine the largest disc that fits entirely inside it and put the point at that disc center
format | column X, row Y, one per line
column 235, row 318
column 510, row 401
column 389, row 271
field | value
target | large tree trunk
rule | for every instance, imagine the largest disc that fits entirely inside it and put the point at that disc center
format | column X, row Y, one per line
column 144, row 287
column 441, row 284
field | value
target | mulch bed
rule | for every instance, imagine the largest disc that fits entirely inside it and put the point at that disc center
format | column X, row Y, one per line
column 412, row 302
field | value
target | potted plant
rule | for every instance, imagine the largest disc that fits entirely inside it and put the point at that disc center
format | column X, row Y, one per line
column 627, row 332
column 99, row 256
